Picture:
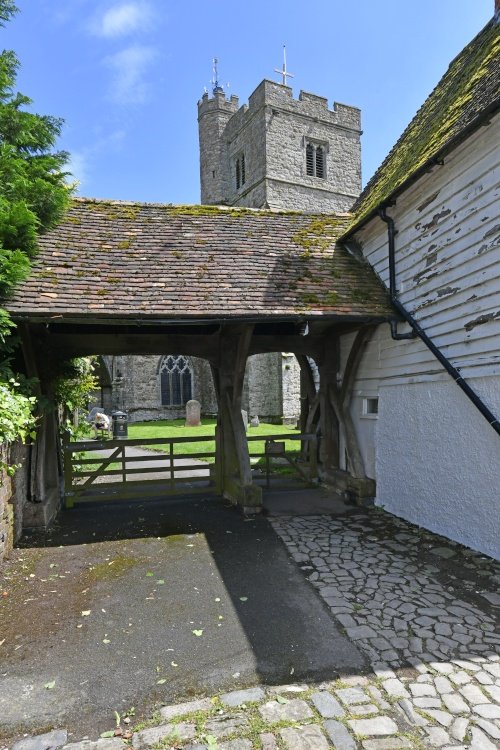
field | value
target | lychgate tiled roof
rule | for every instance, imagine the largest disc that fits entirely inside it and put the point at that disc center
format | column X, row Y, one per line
column 468, row 91
column 110, row 258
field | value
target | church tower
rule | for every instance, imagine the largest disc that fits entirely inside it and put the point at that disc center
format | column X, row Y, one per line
column 279, row 152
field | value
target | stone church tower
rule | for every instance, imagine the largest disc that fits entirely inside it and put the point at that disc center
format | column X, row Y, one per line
column 279, row 152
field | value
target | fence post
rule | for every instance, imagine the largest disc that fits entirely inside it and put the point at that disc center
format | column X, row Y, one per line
column 172, row 467
column 313, row 458
column 69, row 501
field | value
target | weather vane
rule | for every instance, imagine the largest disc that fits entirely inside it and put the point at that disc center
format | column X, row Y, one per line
column 216, row 87
column 283, row 71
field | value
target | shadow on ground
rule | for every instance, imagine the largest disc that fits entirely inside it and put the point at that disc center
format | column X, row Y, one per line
column 146, row 603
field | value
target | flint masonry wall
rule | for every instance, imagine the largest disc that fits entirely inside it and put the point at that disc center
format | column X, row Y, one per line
column 272, row 132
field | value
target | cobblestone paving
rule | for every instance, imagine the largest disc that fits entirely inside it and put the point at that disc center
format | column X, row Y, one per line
column 423, row 611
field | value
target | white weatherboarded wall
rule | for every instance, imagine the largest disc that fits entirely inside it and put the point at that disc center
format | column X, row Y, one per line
column 434, row 457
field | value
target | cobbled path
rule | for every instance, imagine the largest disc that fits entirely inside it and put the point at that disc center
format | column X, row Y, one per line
column 423, row 611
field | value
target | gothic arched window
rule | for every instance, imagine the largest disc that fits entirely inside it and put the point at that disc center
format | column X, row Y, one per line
column 176, row 380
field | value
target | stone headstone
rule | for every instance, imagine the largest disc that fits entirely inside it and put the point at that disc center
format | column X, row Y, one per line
column 254, row 422
column 193, row 413
column 244, row 416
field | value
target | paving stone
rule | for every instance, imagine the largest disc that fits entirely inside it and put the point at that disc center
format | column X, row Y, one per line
column 365, row 710
column 458, row 729
column 437, row 736
column 443, row 685
column 479, row 741
column 484, row 678
column 427, row 702
column 412, row 716
column 386, row 743
column 268, row 741
column 339, row 735
column 326, row 705
column 181, row 709
column 420, row 689
column 441, row 717
column 487, row 711
column 377, row 695
column 149, row 737
column 492, row 729
column 444, row 552
column 493, row 691
column 238, row 697
column 351, row 696
column 361, row 631
column 304, row 738
column 294, row 710
column 473, row 695
column 455, row 703
column 381, row 725
column 492, row 598
column 395, row 688
column 460, row 678
column 223, row 726
column 103, row 743
column 47, row 741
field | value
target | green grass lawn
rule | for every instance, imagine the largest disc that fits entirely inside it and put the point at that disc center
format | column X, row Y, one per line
column 175, row 428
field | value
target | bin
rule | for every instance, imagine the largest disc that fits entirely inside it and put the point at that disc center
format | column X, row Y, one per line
column 120, row 424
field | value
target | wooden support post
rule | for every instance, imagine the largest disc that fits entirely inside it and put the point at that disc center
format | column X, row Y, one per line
column 234, row 473
column 328, row 365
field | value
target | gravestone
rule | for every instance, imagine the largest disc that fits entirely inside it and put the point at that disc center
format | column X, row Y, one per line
column 244, row 416
column 193, row 412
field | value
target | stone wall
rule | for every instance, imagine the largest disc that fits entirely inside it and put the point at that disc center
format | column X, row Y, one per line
column 268, row 384
column 13, row 496
column 291, row 388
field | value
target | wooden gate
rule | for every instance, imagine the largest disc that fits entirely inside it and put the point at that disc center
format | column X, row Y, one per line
column 109, row 470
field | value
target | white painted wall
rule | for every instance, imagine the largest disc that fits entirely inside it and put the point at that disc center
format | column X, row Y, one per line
column 434, row 457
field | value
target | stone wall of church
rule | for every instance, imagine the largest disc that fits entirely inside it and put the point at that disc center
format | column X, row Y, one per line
column 271, row 388
column 291, row 388
column 265, row 396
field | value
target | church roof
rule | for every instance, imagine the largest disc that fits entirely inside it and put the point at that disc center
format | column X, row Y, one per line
column 113, row 259
column 467, row 94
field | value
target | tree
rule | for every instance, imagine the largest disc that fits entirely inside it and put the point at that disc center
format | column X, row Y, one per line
column 33, row 198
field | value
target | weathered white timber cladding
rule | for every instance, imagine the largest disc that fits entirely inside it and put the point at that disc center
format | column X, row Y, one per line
column 435, row 459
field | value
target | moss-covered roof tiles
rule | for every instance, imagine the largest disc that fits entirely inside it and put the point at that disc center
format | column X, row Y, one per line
column 469, row 89
column 138, row 260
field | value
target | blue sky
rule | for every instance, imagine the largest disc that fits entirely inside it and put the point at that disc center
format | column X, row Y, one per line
column 126, row 74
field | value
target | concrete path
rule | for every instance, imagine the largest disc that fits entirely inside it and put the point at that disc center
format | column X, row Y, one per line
column 151, row 602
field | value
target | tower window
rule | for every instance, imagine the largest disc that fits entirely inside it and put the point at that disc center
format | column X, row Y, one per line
column 315, row 160
column 240, row 171
column 176, row 380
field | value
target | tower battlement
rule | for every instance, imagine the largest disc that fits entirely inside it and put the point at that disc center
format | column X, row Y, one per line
column 278, row 151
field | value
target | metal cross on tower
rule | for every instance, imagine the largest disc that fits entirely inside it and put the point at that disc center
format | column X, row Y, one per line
column 284, row 71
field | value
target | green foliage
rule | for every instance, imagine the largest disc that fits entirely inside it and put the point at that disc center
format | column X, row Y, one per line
column 33, row 198
column 74, row 384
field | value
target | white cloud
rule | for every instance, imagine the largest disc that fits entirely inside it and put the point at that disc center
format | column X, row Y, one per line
column 78, row 168
column 124, row 18
column 130, row 65
column 81, row 162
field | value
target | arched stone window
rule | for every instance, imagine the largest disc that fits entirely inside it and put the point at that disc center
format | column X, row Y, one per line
column 176, row 380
